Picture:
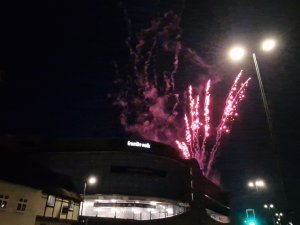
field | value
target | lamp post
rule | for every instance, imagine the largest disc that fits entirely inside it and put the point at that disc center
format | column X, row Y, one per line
column 258, row 183
column 90, row 180
column 270, row 207
column 278, row 217
column 237, row 53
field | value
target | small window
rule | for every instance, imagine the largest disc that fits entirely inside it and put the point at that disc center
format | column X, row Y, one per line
column 65, row 210
column 51, row 200
column 71, row 205
column 3, row 201
column 22, row 204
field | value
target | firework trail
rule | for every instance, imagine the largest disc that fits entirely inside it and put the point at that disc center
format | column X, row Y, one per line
column 151, row 105
column 207, row 124
column 230, row 112
column 193, row 124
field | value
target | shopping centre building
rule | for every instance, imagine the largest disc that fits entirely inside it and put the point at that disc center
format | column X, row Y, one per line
column 137, row 181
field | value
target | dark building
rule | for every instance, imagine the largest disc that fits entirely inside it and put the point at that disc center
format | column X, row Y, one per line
column 133, row 181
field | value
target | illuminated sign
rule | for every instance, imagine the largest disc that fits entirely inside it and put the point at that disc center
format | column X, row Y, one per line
column 138, row 144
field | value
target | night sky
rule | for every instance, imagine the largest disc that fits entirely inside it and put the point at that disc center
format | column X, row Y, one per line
column 56, row 73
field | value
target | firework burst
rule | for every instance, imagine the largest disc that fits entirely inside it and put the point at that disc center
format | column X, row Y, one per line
column 151, row 103
column 194, row 137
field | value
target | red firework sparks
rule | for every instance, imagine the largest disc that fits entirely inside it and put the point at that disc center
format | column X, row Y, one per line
column 151, row 103
column 193, row 138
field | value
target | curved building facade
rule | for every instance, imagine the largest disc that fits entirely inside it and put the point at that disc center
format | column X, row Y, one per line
column 136, row 180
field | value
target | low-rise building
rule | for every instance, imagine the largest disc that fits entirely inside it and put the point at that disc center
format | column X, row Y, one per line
column 32, row 195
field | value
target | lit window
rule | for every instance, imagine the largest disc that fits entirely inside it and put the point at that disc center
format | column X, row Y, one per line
column 3, row 201
column 51, row 200
column 71, row 205
column 22, row 204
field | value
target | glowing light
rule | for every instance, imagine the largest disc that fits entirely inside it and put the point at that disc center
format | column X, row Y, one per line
column 92, row 180
column 138, row 144
column 268, row 45
column 237, row 53
column 251, row 223
column 271, row 206
column 259, row 183
column 266, row 206
column 251, row 184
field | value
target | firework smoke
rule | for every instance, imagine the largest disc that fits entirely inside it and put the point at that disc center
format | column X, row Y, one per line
column 152, row 105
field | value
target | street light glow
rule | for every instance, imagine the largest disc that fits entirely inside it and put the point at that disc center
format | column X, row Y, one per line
column 268, row 45
column 92, row 180
column 271, row 206
column 260, row 183
column 251, row 184
column 265, row 206
column 237, row 53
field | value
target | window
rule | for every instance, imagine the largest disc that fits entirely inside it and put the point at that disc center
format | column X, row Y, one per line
column 71, row 205
column 22, row 204
column 3, row 201
column 51, row 200
column 65, row 210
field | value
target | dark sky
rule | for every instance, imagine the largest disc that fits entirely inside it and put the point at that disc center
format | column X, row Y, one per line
column 56, row 73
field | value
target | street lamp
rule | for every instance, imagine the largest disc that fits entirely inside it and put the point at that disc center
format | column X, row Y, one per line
column 90, row 180
column 268, row 45
column 256, row 184
column 237, row 53
column 270, row 207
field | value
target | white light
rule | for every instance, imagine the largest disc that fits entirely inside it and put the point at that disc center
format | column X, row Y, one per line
column 265, row 206
column 113, row 200
column 276, row 214
column 281, row 214
column 268, row 44
column 259, row 183
column 92, row 180
column 271, row 206
column 278, row 219
column 251, row 223
column 277, row 222
column 135, row 210
column 153, row 203
column 250, row 184
column 237, row 53
column 138, row 144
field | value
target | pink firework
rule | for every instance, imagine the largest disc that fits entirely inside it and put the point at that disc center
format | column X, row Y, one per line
column 151, row 99
column 195, row 138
